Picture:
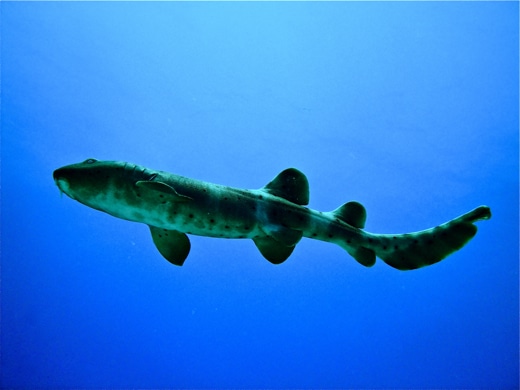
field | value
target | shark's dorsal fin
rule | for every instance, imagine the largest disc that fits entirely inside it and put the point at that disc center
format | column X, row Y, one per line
column 352, row 213
column 159, row 186
column 173, row 245
column 291, row 185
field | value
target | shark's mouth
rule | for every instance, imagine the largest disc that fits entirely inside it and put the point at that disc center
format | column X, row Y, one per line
column 64, row 187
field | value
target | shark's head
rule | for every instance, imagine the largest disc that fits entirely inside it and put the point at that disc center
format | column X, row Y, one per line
column 109, row 186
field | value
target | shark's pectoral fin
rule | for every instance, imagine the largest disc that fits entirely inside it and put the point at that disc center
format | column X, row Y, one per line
column 173, row 245
column 158, row 186
column 273, row 250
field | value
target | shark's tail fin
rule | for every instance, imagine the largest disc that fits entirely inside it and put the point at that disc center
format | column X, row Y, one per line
column 419, row 249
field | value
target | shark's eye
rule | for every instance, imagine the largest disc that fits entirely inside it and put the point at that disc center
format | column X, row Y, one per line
column 153, row 176
column 89, row 161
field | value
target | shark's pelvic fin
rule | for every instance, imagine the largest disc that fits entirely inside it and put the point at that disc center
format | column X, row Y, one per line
column 291, row 185
column 173, row 245
column 273, row 250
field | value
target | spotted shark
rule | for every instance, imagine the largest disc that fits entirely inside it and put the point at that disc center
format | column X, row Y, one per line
column 275, row 216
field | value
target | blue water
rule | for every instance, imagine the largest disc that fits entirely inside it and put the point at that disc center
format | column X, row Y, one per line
column 409, row 108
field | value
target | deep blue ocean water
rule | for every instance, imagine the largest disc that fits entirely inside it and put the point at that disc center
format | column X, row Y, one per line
column 409, row 108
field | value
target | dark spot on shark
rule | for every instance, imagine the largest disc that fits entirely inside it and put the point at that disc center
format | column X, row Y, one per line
column 191, row 215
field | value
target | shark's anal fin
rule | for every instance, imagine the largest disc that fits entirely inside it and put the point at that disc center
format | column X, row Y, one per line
column 173, row 245
column 291, row 185
column 363, row 256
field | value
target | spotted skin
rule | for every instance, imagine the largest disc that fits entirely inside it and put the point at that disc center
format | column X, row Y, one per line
column 275, row 217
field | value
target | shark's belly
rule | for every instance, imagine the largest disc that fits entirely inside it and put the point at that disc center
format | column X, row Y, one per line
column 202, row 220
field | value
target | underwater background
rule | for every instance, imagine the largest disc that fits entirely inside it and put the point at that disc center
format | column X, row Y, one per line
column 410, row 108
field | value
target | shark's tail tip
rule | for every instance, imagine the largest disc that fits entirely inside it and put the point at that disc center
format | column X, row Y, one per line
column 478, row 214
column 486, row 212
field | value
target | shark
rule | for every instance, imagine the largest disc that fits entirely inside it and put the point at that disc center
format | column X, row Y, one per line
column 275, row 217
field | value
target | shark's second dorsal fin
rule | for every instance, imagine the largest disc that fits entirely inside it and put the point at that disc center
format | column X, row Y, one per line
column 353, row 213
column 291, row 185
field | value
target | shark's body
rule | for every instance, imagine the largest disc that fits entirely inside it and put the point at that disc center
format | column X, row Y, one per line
column 274, row 217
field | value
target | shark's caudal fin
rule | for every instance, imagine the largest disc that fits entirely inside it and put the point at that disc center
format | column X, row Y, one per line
column 419, row 249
